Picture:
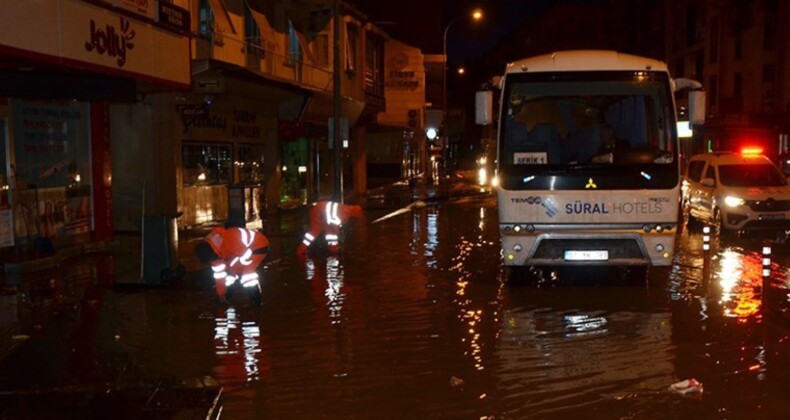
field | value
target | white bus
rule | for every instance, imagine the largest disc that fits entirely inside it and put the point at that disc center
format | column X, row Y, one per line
column 588, row 164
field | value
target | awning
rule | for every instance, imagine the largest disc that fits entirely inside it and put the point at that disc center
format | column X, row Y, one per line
column 268, row 35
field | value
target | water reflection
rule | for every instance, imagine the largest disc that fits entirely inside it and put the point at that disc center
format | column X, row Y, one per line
column 327, row 281
column 740, row 279
column 237, row 345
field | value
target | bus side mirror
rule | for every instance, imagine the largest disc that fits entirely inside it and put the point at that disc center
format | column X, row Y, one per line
column 708, row 182
column 484, row 107
column 697, row 107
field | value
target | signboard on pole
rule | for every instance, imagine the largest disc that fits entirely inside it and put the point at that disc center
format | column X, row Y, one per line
column 343, row 132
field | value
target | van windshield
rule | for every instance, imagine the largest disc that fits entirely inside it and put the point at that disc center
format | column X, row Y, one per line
column 753, row 175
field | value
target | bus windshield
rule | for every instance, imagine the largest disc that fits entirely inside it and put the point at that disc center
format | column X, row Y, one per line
column 590, row 119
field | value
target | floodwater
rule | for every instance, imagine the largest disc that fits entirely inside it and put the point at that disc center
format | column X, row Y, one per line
column 415, row 319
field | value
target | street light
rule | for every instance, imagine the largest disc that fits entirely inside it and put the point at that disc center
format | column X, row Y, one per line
column 476, row 15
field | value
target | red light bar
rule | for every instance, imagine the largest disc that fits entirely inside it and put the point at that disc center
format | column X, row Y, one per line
column 752, row 151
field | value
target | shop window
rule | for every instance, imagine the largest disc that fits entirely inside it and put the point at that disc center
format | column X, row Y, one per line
column 293, row 185
column 250, row 163
column 207, row 164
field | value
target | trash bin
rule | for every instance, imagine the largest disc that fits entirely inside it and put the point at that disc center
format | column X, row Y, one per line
column 160, row 249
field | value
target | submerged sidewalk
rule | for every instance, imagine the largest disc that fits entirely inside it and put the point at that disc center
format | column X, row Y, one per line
column 393, row 196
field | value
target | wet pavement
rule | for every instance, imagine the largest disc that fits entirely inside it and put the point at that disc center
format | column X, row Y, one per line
column 415, row 319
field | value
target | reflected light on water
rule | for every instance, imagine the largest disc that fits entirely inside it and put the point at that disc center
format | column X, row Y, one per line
column 237, row 343
column 334, row 284
column 739, row 277
column 577, row 325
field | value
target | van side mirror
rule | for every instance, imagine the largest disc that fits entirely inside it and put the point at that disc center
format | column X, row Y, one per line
column 484, row 107
column 697, row 107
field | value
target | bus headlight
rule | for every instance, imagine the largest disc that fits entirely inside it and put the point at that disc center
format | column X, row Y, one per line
column 732, row 201
column 495, row 181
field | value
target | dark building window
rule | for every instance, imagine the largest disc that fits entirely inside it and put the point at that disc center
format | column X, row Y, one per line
column 699, row 65
column 691, row 25
column 713, row 91
column 714, row 40
column 769, row 28
column 252, row 33
column 680, row 63
column 738, row 45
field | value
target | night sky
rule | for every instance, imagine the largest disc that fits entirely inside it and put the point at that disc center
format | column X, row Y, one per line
column 421, row 23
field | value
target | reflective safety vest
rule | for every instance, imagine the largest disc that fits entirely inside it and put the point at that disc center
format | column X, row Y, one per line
column 328, row 217
column 240, row 252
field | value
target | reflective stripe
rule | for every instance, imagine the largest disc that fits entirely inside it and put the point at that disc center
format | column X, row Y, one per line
column 235, row 260
column 306, row 242
column 249, row 280
column 245, row 259
column 229, row 280
column 219, row 275
column 218, row 267
column 331, row 237
column 247, row 236
column 309, row 236
column 331, row 214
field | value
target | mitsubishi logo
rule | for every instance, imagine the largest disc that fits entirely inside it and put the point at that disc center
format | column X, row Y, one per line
column 590, row 184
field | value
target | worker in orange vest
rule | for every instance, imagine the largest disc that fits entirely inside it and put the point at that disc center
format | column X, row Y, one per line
column 327, row 217
column 234, row 254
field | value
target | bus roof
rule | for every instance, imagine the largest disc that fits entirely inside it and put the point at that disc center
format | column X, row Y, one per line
column 577, row 60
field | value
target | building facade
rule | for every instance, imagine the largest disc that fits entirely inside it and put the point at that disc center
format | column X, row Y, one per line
column 114, row 110
column 736, row 49
column 66, row 67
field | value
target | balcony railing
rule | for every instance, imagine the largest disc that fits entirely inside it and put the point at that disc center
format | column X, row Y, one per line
column 253, row 55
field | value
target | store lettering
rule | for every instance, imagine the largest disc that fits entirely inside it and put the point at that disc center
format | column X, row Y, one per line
column 247, row 131
column 108, row 41
column 205, row 121
column 244, row 128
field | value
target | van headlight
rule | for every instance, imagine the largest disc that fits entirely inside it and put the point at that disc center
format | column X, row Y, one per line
column 732, row 201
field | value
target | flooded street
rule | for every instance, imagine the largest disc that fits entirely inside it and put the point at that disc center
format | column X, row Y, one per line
column 415, row 319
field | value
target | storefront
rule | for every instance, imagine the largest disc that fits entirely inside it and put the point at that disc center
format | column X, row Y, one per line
column 56, row 92
column 228, row 139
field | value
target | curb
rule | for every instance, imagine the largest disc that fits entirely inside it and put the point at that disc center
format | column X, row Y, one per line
column 60, row 256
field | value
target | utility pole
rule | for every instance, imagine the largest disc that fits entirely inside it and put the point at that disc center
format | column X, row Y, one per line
column 336, row 136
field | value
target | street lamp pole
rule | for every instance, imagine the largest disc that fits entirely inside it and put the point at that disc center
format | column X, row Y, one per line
column 476, row 15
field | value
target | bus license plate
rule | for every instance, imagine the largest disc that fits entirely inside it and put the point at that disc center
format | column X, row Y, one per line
column 586, row 255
